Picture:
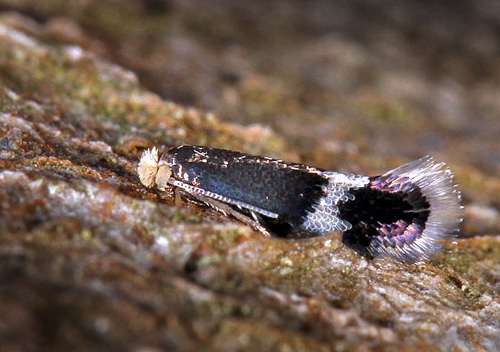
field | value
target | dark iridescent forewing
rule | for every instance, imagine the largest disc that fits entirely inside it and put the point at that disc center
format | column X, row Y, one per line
column 279, row 195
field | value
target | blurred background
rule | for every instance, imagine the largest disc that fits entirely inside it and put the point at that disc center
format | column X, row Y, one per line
column 337, row 79
column 91, row 259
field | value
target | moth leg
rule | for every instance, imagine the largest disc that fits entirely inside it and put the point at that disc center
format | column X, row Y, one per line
column 177, row 197
column 227, row 210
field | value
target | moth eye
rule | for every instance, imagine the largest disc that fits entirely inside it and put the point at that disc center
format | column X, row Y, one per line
column 162, row 176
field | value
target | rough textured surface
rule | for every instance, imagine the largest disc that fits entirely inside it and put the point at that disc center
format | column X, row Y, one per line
column 90, row 260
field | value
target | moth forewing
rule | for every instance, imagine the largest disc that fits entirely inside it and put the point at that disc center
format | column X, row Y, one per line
column 401, row 214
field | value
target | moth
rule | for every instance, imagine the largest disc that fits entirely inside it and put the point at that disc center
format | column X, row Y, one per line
column 403, row 214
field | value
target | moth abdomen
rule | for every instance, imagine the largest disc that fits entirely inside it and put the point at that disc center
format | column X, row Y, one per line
column 402, row 213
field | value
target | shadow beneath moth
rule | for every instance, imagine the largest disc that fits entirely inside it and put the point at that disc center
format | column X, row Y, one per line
column 402, row 214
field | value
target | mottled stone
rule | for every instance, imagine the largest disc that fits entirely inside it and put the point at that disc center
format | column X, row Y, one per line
column 91, row 260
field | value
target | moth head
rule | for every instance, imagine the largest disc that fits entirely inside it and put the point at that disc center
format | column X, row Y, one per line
column 153, row 171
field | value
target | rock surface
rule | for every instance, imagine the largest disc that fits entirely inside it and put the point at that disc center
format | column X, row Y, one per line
column 91, row 260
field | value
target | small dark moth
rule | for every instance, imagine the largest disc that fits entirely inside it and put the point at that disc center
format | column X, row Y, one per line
column 401, row 214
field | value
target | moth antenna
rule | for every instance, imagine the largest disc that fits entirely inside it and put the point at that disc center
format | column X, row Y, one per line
column 148, row 167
